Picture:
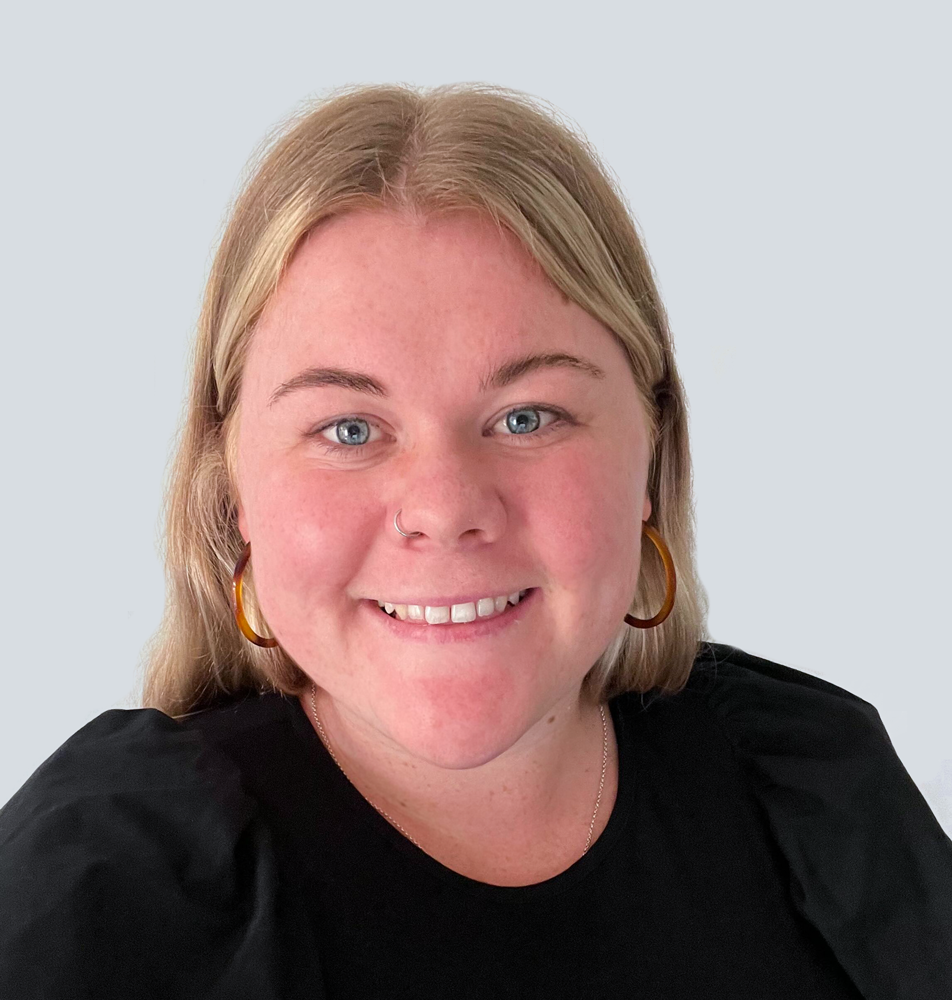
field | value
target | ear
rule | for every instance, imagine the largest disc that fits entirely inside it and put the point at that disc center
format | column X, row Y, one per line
column 646, row 510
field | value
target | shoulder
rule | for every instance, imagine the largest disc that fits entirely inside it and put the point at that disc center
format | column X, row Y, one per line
column 760, row 702
column 134, row 846
column 764, row 708
column 869, row 864
column 123, row 767
column 809, row 745
column 145, row 757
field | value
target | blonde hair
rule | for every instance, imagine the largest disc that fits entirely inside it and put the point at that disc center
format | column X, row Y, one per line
column 472, row 146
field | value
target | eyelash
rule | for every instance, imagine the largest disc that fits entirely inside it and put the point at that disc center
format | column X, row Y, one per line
column 353, row 451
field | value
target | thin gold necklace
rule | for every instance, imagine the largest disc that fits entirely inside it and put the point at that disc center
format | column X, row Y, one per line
column 393, row 822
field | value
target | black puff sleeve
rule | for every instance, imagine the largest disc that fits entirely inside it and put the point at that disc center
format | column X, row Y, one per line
column 870, row 866
column 133, row 865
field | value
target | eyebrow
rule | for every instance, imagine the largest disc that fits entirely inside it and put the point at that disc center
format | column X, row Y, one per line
column 502, row 375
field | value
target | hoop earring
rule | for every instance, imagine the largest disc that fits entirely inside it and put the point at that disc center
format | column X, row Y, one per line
column 246, row 630
column 670, row 582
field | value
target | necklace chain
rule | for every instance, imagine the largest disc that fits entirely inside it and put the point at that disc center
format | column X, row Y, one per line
column 393, row 822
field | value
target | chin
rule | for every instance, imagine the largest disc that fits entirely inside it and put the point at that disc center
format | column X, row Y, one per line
column 470, row 734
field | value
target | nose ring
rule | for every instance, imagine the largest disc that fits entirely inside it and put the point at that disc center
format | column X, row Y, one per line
column 402, row 532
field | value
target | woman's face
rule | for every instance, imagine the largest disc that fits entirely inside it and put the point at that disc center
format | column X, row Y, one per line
column 533, row 481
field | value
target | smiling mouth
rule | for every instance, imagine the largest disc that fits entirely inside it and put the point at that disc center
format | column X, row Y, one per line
column 462, row 614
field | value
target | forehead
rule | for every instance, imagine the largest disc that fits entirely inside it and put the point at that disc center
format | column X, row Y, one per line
column 424, row 298
column 380, row 261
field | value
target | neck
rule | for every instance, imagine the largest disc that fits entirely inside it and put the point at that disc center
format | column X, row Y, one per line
column 542, row 789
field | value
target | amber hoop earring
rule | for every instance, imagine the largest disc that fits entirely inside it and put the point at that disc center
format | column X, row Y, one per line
column 670, row 582
column 669, row 578
column 246, row 630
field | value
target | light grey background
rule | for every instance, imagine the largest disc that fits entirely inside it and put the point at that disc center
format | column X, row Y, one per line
column 789, row 167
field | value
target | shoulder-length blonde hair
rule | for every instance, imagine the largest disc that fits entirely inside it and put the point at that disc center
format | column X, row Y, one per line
column 516, row 159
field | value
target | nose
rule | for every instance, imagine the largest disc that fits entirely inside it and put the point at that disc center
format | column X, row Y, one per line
column 446, row 496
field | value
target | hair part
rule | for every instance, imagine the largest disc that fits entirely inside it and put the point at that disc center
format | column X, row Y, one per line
column 516, row 160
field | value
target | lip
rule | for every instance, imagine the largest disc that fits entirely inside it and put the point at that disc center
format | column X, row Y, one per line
column 458, row 631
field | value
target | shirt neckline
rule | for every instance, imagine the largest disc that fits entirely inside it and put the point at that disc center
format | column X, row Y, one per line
column 557, row 884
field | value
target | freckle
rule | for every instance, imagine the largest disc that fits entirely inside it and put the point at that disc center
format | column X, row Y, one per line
column 551, row 719
column 403, row 804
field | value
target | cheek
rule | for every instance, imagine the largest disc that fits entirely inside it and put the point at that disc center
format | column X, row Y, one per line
column 589, row 520
column 309, row 537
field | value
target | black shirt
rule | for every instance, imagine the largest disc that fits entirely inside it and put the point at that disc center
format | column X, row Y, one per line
column 765, row 842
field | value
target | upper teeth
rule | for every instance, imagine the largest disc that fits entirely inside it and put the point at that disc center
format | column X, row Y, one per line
column 484, row 607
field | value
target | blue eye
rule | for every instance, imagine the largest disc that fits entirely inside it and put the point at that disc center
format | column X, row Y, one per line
column 353, row 432
column 518, row 425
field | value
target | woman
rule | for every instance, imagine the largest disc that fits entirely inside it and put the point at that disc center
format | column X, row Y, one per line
column 433, row 710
